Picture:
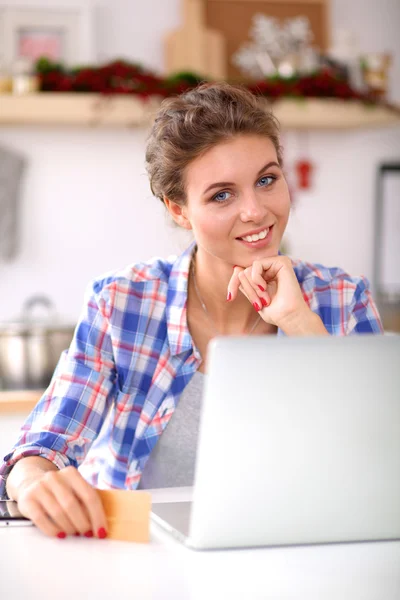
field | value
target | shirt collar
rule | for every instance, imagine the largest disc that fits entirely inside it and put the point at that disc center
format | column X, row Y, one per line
column 179, row 337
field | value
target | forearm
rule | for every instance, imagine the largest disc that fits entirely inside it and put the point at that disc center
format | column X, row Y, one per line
column 26, row 471
column 305, row 324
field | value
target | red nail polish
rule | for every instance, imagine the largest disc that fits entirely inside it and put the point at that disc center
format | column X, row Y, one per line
column 229, row 297
column 102, row 533
column 264, row 302
column 257, row 308
column 77, row 534
column 261, row 288
column 61, row 535
column 89, row 534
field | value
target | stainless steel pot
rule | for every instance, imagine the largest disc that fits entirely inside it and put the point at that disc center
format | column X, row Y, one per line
column 30, row 348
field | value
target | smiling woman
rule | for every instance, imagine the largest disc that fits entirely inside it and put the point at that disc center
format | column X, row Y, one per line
column 138, row 353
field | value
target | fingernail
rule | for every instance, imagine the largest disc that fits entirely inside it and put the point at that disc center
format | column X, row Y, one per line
column 264, row 302
column 102, row 533
column 89, row 534
column 229, row 297
column 261, row 288
column 257, row 308
column 61, row 535
column 77, row 534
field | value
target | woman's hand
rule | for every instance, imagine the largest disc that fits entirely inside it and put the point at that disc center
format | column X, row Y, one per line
column 62, row 503
column 272, row 288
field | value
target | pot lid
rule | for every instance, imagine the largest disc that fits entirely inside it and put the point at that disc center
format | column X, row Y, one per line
column 47, row 321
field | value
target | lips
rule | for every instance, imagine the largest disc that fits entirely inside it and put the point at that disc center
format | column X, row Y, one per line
column 261, row 243
column 260, row 236
column 254, row 231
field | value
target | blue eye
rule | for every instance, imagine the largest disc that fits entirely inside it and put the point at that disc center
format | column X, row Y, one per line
column 221, row 196
column 266, row 180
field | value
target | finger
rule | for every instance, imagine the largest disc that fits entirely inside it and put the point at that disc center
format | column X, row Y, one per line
column 260, row 290
column 49, row 504
column 76, row 511
column 250, row 292
column 233, row 285
column 272, row 265
column 90, row 499
column 262, row 298
column 34, row 511
column 258, row 281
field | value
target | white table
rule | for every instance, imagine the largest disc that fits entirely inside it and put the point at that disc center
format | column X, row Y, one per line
column 40, row 568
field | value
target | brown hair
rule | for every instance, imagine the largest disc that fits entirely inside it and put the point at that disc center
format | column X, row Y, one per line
column 188, row 125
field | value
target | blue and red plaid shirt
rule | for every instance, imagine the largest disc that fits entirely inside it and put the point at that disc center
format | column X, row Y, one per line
column 115, row 389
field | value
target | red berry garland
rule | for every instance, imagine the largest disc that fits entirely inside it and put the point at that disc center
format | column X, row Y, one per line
column 122, row 77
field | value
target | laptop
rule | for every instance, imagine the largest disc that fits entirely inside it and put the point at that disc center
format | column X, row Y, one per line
column 299, row 443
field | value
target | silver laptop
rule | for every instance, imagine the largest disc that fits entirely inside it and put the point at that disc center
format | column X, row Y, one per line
column 299, row 443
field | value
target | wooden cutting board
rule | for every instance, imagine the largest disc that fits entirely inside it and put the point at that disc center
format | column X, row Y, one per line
column 194, row 47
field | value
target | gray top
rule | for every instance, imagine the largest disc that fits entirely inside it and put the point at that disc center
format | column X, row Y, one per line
column 172, row 461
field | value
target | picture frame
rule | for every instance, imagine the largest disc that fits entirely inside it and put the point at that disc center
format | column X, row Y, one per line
column 387, row 234
column 63, row 34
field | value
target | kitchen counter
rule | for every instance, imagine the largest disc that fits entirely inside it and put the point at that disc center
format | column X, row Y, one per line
column 18, row 401
column 36, row 567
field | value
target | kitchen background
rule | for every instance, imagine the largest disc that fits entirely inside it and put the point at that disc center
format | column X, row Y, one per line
column 85, row 205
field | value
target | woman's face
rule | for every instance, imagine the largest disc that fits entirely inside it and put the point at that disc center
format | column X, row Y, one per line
column 234, row 189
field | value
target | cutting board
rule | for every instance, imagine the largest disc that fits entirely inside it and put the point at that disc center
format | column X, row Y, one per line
column 194, row 47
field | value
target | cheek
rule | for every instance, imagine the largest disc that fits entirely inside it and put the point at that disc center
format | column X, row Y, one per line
column 284, row 208
column 281, row 203
column 214, row 221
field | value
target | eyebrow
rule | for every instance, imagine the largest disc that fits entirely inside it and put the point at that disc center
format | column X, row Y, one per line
column 225, row 183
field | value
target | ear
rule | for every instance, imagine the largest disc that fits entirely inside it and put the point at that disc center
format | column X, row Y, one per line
column 178, row 213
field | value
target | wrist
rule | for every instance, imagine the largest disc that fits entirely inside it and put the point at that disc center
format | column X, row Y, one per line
column 303, row 323
column 25, row 472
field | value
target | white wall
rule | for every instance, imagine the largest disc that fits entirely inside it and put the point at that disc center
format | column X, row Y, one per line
column 86, row 204
column 86, row 208
column 334, row 222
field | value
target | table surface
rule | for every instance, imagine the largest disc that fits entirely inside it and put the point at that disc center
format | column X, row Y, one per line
column 37, row 567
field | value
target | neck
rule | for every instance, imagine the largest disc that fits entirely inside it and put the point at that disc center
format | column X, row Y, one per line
column 235, row 317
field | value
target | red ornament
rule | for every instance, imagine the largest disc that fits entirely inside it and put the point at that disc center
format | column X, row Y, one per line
column 304, row 170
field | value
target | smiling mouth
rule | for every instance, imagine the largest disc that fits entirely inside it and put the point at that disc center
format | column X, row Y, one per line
column 256, row 237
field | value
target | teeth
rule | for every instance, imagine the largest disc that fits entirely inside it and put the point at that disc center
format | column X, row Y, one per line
column 256, row 237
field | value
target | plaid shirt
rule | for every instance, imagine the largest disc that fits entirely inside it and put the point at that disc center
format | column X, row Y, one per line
column 115, row 389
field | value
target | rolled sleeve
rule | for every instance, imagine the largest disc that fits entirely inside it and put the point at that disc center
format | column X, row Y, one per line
column 363, row 315
column 69, row 415
column 58, row 459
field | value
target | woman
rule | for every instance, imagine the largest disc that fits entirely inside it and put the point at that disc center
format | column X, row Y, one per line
column 214, row 160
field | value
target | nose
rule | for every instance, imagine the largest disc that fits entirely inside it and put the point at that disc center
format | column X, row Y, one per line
column 252, row 208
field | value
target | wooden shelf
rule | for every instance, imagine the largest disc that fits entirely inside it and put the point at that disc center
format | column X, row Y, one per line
column 85, row 110
column 93, row 110
column 331, row 114
column 19, row 401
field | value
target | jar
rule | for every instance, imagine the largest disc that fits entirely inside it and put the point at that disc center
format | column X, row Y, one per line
column 24, row 79
column 5, row 79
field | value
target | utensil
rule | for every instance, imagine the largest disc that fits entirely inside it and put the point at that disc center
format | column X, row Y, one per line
column 30, row 348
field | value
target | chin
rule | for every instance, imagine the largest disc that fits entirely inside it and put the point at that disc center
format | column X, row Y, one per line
column 269, row 251
column 262, row 253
